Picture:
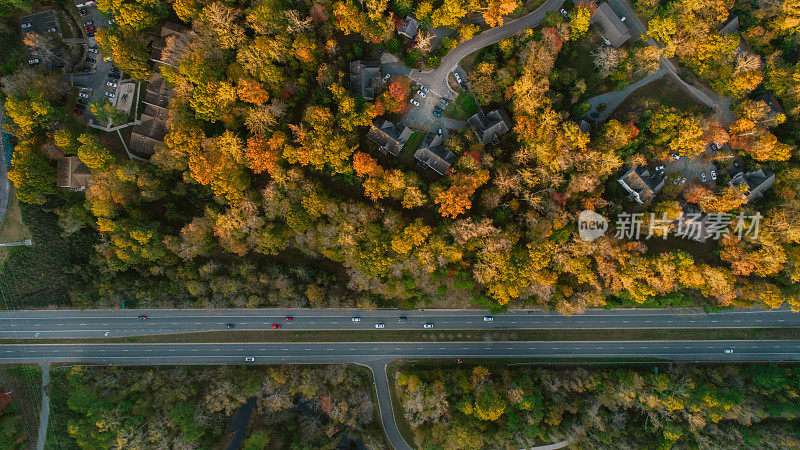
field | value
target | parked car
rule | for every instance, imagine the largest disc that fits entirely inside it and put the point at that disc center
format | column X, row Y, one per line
column 276, row 326
column 90, row 28
column 33, row 61
column 437, row 114
column 424, row 89
column 414, row 102
column 439, row 131
column 564, row 12
column 82, row 101
column 443, row 101
column 438, row 108
column 88, row 23
column 53, row 30
column 386, row 77
column 111, row 84
column 458, row 77
column 90, row 34
column 83, row 95
column 83, row 12
column 26, row 25
column 703, row 177
column 93, row 50
column 91, row 60
column 110, row 94
column 81, row 107
column 106, row 58
column 78, row 112
column 714, row 175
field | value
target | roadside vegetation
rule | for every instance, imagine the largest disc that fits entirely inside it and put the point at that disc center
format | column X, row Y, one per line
column 649, row 405
column 192, row 407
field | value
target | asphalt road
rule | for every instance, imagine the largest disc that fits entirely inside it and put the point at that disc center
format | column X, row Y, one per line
column 365, row 353
column 115, row 323
column 436, row 80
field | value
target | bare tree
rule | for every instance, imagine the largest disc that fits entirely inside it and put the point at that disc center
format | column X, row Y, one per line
column 747, row 61
column 606, row 59
column 423, row 41
column 296, row 25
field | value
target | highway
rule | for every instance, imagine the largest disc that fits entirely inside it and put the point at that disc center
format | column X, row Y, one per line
column 116, row 323
column 365, row 353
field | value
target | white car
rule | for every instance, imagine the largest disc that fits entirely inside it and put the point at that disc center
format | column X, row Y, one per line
column 427, row 325
column 110, row 94
column 33, row 61
column 380, row 325
column 111, row 84
column 386, row 77
column 488, row 319
column 458, row 77
column 714, row 175
column 414, row 102
column 564, row 12
column 93, row 50
column 83, row 95
column 728, row 350
column 27, row 25
column 356, row 319
column 53, row 30
column 424, row 89
column 249, row 359
column 703, row 177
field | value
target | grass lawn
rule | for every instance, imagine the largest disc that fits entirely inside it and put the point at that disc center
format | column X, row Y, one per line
column 13, row 228
column 443, row 336
column 406, row 155
column 463, row 107
column 662, row 92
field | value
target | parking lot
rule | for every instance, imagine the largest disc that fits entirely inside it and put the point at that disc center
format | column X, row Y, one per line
column 44, row 23
column 421, row 116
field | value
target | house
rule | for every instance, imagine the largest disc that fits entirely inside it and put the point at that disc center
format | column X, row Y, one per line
column 159, row 41
column 433, row 154
column 409, row 27
column 388, row 136
column 365, row 76
column 615, row 30
column 757, row 182
column 641, row 185
column 72, row 174
column 490, row 126
column 731, row 26
column 772, row 102
column 152, row 125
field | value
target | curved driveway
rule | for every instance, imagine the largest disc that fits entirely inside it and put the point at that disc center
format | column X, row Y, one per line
column 436, row 80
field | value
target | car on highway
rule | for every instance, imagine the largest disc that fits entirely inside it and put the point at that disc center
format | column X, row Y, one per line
column 402, row 319
column 249, row 359
column 380, row 325
column 143, row 317
column 488, row 319
column 276, row 326
column 356, row 319
column 230, row 325
column 427, row 325
column 288, row 318
column 728, row 350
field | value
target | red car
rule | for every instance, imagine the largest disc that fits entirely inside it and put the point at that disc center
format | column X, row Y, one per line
column 142, row 317
column 276, row 326
column 288, row 318
column 90, row 28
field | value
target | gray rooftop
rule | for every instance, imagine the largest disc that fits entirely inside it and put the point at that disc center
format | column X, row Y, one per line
column 433, row 153
column 490, row 126
column 615, row 31
column 364, row 78
column 388, row 136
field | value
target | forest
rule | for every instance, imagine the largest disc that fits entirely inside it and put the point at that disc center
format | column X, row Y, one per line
column 641, row 406
column 265, row 191
column 192, row 407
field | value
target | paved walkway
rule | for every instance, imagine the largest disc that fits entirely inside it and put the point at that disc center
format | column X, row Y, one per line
column 612, row 100
column 5, row 184
column 388, row 420
column 44, row 414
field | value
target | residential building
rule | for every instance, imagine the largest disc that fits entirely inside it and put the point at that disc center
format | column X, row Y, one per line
column 159, row 42
column 490, row 126
column 434, row 155
column 757, row 182
column 615, row 31
column 365, row 77
column 772, row 102
column 388, row 136
column 409, row 27
column 72, row 174
column 641, row 185
column 730, row 26
column 152, row 126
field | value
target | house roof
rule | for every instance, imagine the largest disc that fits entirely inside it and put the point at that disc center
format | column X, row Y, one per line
column 142, row 144
column 773, row 103
column 364, row 78
column 757, row 181
column 731, row 26
column 490, row 126
column 410, row 27
column 72, row 173
column 615, row 30
column 641, row 184
column 388, row 136
column 433, row 153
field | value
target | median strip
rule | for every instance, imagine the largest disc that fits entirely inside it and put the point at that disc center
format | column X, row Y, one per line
column 439, row 336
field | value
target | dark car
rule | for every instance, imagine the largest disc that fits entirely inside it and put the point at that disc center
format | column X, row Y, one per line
column 142, row 317
column 402, row 319
column 90, row 34
column 230, row 325
column 90, row 60
column 437, row 108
